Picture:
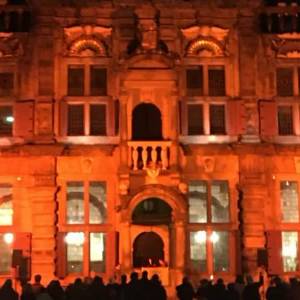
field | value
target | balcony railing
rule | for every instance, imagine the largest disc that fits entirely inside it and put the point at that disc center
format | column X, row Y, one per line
column 143, row 154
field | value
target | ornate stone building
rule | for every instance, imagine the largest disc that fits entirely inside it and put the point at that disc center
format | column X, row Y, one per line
column 160, row 135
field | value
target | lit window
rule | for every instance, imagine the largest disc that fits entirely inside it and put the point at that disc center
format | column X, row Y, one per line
column 78, row 193
column 289, row 201
column 198, row 250
column 5, row 253
column 218, row 200
column 290, row 251
column 220, row 243
column 6, row 208
column 97, row 252
column 6, row 120
column 75, row 242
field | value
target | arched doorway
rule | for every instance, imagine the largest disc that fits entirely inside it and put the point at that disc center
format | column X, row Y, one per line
column 152, row 211
column 148, row 250
column 146, row 123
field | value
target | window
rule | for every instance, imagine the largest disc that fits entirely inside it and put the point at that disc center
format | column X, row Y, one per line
column 284, row 80
column 6, row 84
column 285, row 120
column 87, row 80
column 209, row 240
column 289, row 206
column 85, row 232
column 86, row 119
column 206, row 80
column 6, row 120
column 6, row 221
column 206, row 119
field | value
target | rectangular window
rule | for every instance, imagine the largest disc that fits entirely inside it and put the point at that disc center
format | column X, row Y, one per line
column 285, row 120
column 220, row 202
column 217, row 119
column 6, row 205
column 75, row 202
column 289, row 201
column 6, row 84
column 76, row 119
column 98, row 81
column 198, row 255
column 195, row 119
column 220, row 242
column 6, row 120
column 290, row 251
column 97, row 202
column 97, row 119
column 194, row 81
column 97, row 252
column 198, row 197
column 216, row 81
column 76, row 81
column 6, row 254
column 284, row 80
column 75, row 242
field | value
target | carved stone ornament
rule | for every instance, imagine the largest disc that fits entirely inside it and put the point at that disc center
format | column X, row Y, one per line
column 123, row 187
column 9, row 45
column 286, row 45
column 208, row 163
column 183, row 187
column 86, row 40
column 205, row 41
column 153, row 171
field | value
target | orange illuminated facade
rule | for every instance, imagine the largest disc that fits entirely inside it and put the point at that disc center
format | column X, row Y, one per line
column 149, row 136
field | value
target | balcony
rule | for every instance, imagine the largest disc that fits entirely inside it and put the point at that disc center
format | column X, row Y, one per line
column 143, row 154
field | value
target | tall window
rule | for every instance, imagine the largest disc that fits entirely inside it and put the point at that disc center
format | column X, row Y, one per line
column 209, row 240
column 6, row 120
column 85, row 218
column 6, row 221
column 285, row 120
column 6, row 84
column 289, row 203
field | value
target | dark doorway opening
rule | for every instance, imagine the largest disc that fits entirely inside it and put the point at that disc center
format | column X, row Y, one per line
column 152, row 211
column 148, row 250
column 146, row 123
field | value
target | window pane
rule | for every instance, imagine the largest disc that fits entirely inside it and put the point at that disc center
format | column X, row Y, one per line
column 198, row 202
column 285, row 82
column 5, row 254
column 198, row 250
column 6, row 120
column 76, row 81
column 6, row 208
column 289, row 251
column 220, row 244
column 97, row 252
column 75, row 120
column 217, row 119
column 216, row 81
column 97, row 119
column 220, row 201
column 6, row 84
column 75, row 203
column 74, row 241
column 97, row 203
column 289, row 201
column 98, row 81
column 285, row 120
column 194, row 81
column 195, row 119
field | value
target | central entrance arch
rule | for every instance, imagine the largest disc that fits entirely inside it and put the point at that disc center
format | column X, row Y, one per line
column 148, row 250
column 146, row 123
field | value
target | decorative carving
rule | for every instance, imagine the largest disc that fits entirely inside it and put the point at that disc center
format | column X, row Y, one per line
column 153, row 171
column 86, row 40
column 286, row 45
column 193, row 32
column 44, row 118
column 205, row 48
column 10, row 45
column 183, row 187
column 86, row 165
column 251, row 119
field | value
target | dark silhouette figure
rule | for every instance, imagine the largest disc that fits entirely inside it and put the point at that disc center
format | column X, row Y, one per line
column 27, row 292
column 185, row 291
column 251, row 290
column 98, row 289
column 156, row 290
column 55, row 290
column 7, row 292
column 37, row 286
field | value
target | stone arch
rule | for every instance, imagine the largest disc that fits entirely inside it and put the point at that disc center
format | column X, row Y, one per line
column 88, row 47
column 173, row 198
column 195, row 47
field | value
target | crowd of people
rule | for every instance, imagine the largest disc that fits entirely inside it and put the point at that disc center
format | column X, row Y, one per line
column 151, row 289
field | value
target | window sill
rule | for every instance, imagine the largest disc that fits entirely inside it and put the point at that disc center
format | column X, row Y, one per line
column 288, row 139
column 207, row 139
column 89, row 140
column 9, row 140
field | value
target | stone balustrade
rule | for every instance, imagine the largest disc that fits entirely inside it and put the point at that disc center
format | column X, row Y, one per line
column 144, row 154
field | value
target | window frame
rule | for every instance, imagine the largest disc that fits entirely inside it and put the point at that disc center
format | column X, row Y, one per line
column 86, row 227
column 231, row 226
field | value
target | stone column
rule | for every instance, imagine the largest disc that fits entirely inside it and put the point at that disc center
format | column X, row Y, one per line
column 123, row 131
column 42, row 197
column 125, row 241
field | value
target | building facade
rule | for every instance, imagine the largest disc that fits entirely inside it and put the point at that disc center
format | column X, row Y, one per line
column 158, row 135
